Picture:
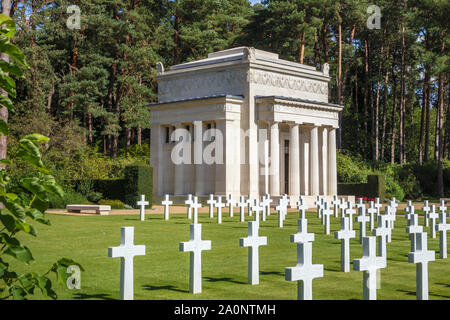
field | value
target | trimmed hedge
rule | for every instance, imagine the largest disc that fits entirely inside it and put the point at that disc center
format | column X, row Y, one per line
column 138, row 180
column 375, row 187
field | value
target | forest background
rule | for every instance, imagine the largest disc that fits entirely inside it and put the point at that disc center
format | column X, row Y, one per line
column 88, row 88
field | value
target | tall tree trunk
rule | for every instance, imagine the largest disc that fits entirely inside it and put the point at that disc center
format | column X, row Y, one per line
column 139, row 135
column 447, row 124
column 427, row 118
column 394, row 111
column 440, row 111
column 128, row 140
column 366, row 89
column 402, row 99
column 386, row 92
column 325, row 42
column 6, row 7
column 377, row 110
column 339, row 86
column 302, row 47
column 358, row 133
column 425, row 91
column 346, row 64
column 176, row 39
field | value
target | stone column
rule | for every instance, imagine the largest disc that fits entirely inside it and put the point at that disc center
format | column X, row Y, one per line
column 227, row 171
column 305, row 163
column 198, row 159
column 179, row 168
column 314, row 156
column 294, row 160
column 156, row 158
column 323, row 158
column 332, row 173
column 274, row 159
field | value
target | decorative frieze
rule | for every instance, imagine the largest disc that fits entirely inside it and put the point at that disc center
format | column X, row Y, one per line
column 285, row 81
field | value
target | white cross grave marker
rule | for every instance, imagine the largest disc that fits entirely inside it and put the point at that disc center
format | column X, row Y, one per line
column 371, row 211
column 302, row 207
column 230, row 204
column 242, row 204
column 442, row 207
column 433, row 216
column 369, row 263
column 390, row 218
column 249, row 204
column 421, row 257
column 409, row 209
column 393, row 204
column 142, row 203
column 362, row 219
column 342, row 207
column 285, row 201
column 280, row 209
column 378, row 206
column 211, row 202
column 350, row 211
column 189, row 209
column 335, row 203
column 263, row 204
column 413, row 227
column 304, row 272
column 319, row 204
column 360, row 203
column 257, row 208
column 345, row 234
column 382, row 232
column 166, row 203
column 253, row 242
column 442, row 227
column 195, row 246
column 326, row 214
column 126, row 251
column 219, row 205
column 426, row 211
column 302, row 236
column 196, row 205
column 268, row 201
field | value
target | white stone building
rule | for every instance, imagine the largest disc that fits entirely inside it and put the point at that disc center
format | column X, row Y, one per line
column 279, row 131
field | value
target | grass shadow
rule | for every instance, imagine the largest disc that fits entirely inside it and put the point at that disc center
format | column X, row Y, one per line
column 443, row 284
column 169, row 287
column 84, row 296
column 211, row 279
column 410, row 293
column 265, row 273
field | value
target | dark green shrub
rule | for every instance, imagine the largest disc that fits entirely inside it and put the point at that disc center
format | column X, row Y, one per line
column 86, row 188
column 115, row 204
column 70, row 197
column 138, row 180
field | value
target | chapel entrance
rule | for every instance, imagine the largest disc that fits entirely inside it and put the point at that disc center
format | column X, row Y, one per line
column 286, row 166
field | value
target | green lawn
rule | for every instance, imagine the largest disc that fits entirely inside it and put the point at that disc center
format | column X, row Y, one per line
column 163, row 273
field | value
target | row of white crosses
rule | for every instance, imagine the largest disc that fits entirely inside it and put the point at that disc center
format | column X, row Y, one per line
column 429, row 214
column 305, row 271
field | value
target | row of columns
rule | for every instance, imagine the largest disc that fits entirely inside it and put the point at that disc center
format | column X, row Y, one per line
column 179, row 176
column 312, row 166
column 322, row 180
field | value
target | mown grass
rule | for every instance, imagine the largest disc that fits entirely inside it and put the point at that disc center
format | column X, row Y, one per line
column 163, row 273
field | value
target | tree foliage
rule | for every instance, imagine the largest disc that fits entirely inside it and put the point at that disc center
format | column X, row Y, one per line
column 22, row 204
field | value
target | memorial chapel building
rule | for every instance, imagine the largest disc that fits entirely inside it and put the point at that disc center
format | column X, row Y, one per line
column 271, row 117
